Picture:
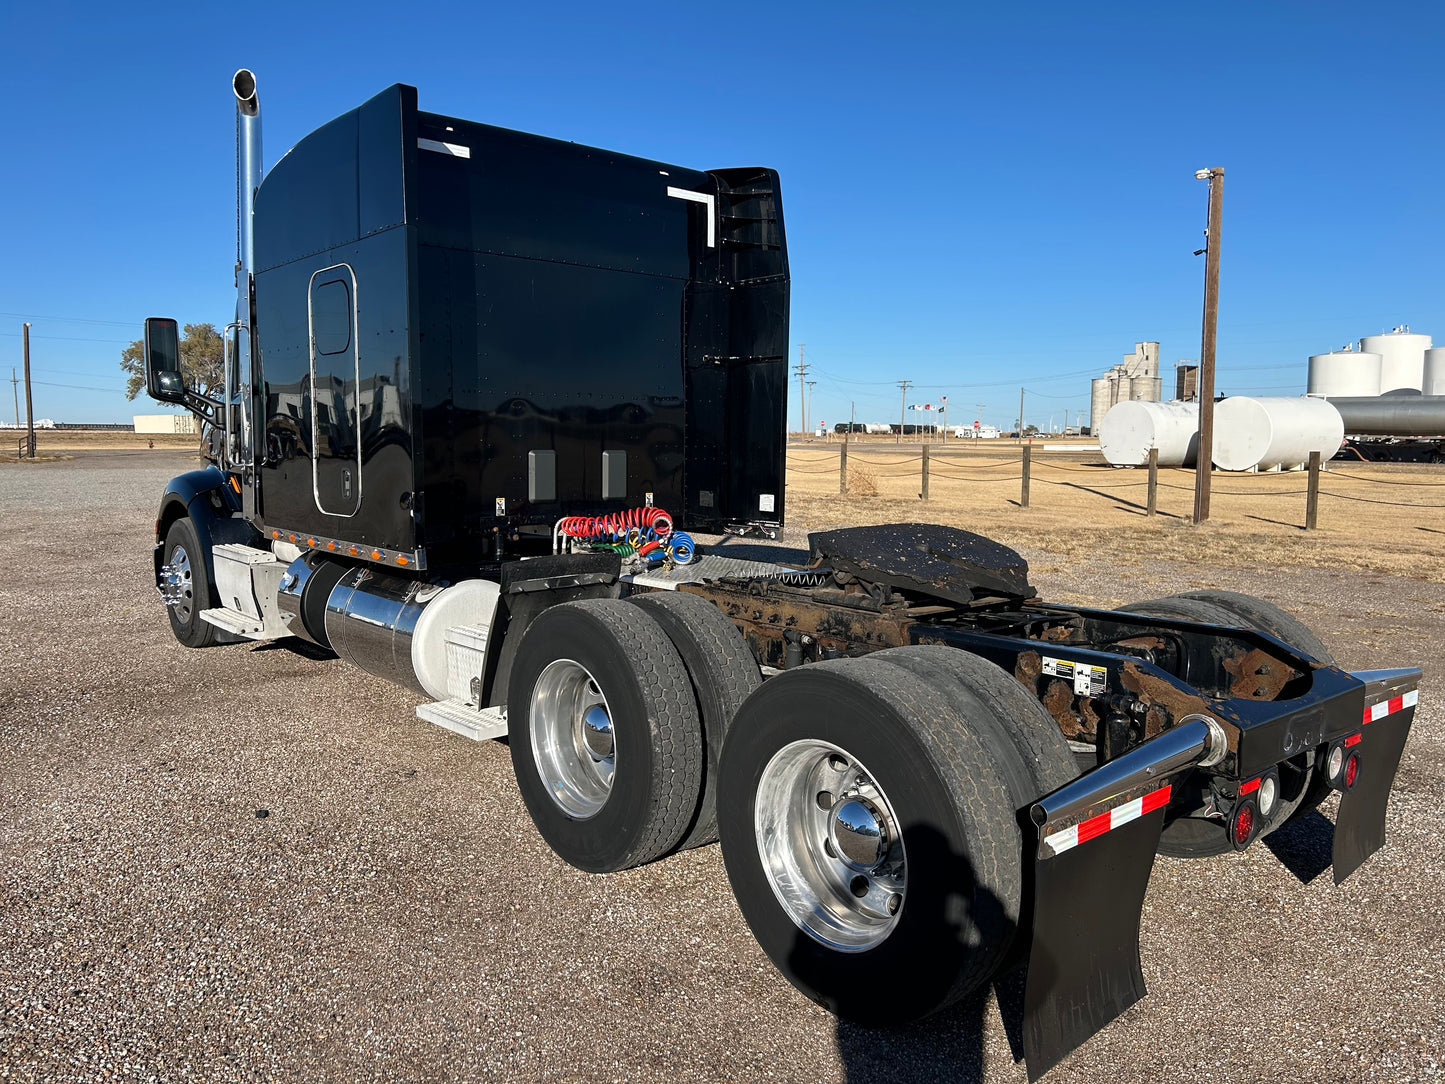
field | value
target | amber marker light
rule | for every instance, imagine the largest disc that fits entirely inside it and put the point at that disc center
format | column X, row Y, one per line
column 331, row 546
column 377, row 555
column 402, row 560
column 352, row 550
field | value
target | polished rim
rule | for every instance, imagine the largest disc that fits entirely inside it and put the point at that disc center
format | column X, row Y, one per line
column 831, row 846
column 179, row 587
column 572, row 738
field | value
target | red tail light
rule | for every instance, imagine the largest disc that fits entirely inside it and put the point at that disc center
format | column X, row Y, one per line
column 1352, row 770
column 1242, row 824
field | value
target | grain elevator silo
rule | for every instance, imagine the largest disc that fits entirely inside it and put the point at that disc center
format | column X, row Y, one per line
column 1402, row 358
column 1344, row 372
column 1100, row 400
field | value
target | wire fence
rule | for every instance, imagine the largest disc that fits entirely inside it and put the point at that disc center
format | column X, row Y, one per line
column 934, row 466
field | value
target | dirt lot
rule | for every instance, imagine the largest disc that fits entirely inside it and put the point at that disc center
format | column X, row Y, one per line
column 251, row 863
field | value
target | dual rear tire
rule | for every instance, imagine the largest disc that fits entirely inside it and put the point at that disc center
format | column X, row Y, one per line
column 868, row 808
column 618, row 711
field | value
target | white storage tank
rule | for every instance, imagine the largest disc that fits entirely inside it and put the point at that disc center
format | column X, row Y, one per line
column 1274, row 433
column 1433, row 382
column 1402, row 358
column 1344, row 373
column 1130, row 429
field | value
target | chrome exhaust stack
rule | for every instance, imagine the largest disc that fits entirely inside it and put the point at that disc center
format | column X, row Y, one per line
column 237, row 379
column 248, row 179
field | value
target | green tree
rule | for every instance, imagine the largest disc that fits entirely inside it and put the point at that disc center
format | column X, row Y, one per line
column 202, row 355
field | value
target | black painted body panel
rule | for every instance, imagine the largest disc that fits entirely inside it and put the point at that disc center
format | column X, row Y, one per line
column 505, row 294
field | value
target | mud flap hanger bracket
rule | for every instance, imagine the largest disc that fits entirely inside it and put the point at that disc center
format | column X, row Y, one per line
column 1097, row 838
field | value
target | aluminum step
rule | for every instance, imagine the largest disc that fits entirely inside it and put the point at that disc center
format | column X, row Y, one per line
column 462, row 717
column 236, row 623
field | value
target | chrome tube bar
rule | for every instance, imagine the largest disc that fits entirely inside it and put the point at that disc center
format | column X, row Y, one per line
column 1197, row 740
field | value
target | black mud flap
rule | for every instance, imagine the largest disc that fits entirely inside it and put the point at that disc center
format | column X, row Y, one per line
column 1360, row 823
column 1084, row 966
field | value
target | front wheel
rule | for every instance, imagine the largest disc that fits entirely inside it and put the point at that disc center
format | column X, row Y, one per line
column 186, row 586
column 870, row 840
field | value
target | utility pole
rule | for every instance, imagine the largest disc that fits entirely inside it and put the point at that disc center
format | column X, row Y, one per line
column 1021, row 415
column 29, row 404
column 903, row 408
column 15, row 387
column 810, row 394
column 1204, row 458
column 802, row 371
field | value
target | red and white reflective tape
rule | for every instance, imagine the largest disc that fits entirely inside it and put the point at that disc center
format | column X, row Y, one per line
column 1070, row 838
column 1375, row 712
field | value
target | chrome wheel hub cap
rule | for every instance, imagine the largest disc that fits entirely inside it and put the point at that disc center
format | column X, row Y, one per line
column 177, row 590
column 570, row 729
column 830, row 845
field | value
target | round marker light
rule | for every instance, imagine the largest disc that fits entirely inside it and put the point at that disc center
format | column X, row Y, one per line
column 1242, row 824
column 1352, row 770
column 1268, row 795
column 1336, row 762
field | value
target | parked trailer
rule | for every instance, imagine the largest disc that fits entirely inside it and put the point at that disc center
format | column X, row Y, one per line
column 469, row 370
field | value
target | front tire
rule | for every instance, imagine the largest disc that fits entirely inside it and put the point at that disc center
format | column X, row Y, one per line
column 190, row 587
column 870, row 840
column 604, row 735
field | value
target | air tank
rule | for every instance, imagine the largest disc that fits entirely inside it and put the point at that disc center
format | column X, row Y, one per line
column 1434, row 376
column 1130, row 429
column 1274, row 433
column 1402, row 358
column 1099, row 399
column 1344, row 372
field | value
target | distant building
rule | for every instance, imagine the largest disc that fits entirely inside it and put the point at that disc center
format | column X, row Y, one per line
column 166, row 423
column 1136, row 377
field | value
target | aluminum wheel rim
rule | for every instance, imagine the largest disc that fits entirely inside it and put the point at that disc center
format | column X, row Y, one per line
column 575, row 762
column 805, row 794
column 181, row 580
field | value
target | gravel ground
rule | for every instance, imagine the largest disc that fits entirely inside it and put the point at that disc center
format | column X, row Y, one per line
column 250, row 863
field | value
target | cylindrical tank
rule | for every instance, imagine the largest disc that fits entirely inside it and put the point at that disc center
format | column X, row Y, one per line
column 1099, row 402
column 1390, row 416
column 1130, row 429
column 1434, row 376
column 1274, row 433
column 1344, row 372
column 1126, row 389
column 1402, row 358
column 1148, row 388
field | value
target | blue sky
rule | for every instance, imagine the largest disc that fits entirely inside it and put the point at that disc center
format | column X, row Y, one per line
column 977, row 197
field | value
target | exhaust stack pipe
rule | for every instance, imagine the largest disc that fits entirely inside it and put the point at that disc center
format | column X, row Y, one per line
column 248, row 179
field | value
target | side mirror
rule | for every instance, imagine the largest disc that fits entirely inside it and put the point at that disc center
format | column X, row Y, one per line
column 164, row 381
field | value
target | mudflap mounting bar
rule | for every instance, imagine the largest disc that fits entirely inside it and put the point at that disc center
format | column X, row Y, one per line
column 1097, row 838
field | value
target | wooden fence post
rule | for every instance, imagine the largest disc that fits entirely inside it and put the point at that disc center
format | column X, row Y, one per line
column 924, row 494
column 843, row 469
column 1153, row 481
column 1024, row 492
column 1312, row 497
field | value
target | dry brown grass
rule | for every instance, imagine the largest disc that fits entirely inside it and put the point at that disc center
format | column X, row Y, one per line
column 1080, row 508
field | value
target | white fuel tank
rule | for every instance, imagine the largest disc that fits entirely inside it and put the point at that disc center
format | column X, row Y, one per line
column 1130, row 429
column 1402, row 358
column 1274, row 433
column 1344, row 373
column 1434, row 380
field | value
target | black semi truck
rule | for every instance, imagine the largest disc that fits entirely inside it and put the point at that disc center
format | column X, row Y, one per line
column 480, row 387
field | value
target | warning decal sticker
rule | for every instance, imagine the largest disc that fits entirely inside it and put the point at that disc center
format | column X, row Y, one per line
column 1088, row 680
